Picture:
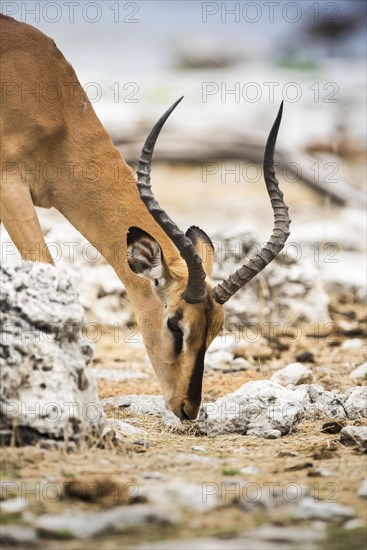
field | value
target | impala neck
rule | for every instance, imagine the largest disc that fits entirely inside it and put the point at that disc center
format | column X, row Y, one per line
column 103, row 211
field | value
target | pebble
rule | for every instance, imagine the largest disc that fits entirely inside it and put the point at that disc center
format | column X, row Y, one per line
column 355, row 403
column 249, row 496
column 154, row 475
column 192, row 457
column 115, row 374
column 294, row 373
column 138, row 404
column 222, row 342
column 306, row 357
column 352, row 343
column 354, row 436
column 237, row 365
column 185, row 494
column 332, row 427
column 348, row 327
column 76, row 524
column 360, row 373
column 320, row 472
column 309, row 508
column 18, row 534
column 126, row 428
column 218, row 360
column 250, row 470
column 355, row 523
column 13, row 505
column 241, row 451
column 198, row 448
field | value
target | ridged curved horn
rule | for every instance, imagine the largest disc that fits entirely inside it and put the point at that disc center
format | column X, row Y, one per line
column 223, row 291
column 195, row 290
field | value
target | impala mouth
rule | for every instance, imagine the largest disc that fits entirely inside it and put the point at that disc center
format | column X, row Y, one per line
column 190, row 410
column 185, row 410
column 185, row 415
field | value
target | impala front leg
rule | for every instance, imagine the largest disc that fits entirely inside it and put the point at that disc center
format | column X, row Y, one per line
column 21, row 222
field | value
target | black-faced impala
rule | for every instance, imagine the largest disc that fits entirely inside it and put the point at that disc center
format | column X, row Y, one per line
column 53, row 145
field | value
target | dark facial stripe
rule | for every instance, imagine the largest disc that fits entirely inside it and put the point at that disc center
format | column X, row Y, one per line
column 176, row 331
column 196, row 380
column 177, row 342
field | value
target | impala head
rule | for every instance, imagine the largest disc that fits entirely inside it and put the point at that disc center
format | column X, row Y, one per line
column 183, row 313
column 177, row 328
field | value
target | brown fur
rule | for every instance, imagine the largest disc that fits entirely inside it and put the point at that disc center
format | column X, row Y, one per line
column 56, row 130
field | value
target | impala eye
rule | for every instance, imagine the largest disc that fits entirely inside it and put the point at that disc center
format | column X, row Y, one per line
column 177, row 333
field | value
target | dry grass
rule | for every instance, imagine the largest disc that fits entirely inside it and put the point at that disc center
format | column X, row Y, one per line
column 293, row 459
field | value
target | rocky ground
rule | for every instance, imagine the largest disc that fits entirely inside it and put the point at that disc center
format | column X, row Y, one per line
column 303, row 490
column 152, row 482
column 159, row 480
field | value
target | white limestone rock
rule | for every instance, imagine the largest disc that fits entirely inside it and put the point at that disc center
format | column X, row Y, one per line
column 126, row 429
column 18, row 535
column 218, row 360
column 292, row 285
column 77, row 524
column 267, row 409
column 238, row 364
column 322, row 403
column 138, row 404
column 352, row 343
column 222, row 342
column 13, row 505
column 359, row 373
column 47, row 389
column 354, row 436
column 185, row 494
column 310, row 508
column 250, row 470
column 294, row 373
column 355, row 403
column 261, row 408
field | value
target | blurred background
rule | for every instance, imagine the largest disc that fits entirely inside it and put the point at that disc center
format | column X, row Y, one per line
column 233, row 61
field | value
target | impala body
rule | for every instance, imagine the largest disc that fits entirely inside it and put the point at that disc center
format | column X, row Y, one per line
column 56, row 153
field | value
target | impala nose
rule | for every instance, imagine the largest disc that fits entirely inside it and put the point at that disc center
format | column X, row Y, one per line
column 185, row 410
column 189, row 411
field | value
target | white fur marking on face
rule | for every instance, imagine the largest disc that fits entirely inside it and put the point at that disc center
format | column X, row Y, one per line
column 186, row 330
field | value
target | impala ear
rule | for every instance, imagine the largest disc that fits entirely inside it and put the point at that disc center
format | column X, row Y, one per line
column 203, row 246
column 144, row 256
